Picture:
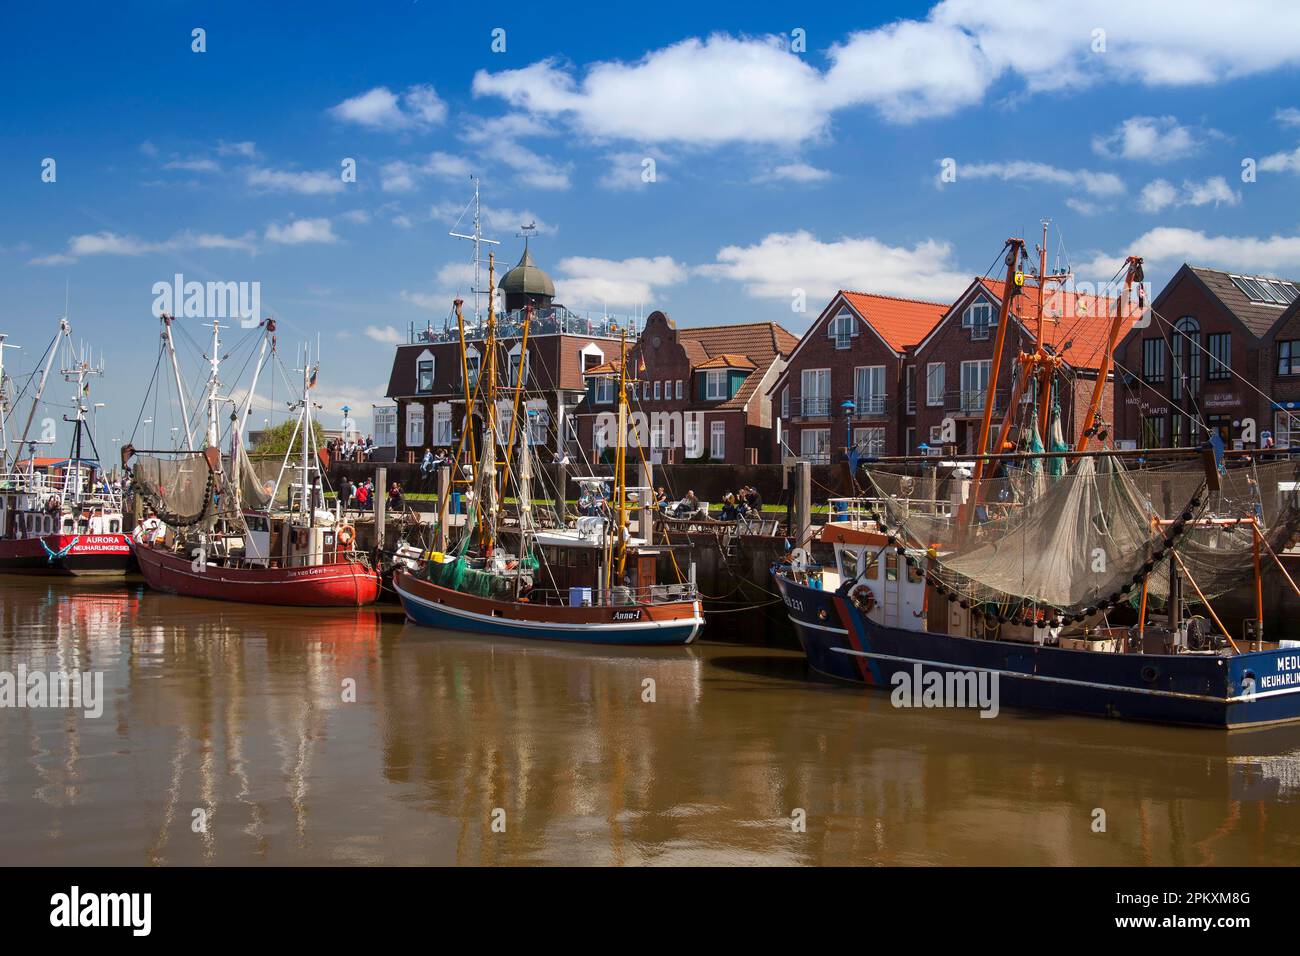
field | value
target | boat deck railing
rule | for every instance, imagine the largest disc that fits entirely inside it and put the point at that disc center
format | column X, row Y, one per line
column 857, row 511
column 67, row 489
column 617, row 596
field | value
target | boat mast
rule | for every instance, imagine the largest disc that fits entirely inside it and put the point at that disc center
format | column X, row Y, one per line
column 488, row 378
column 304, row 506
column 65, row 331
column 167, row 321
column 1092, row 420
column 214, row 383
column 76, row 375
column 620, row 469
column 4, row 406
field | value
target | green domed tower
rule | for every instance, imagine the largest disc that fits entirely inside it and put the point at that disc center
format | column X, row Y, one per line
column 526, row 284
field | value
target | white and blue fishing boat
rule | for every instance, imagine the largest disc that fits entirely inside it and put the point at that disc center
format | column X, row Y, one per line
column 1041, row 570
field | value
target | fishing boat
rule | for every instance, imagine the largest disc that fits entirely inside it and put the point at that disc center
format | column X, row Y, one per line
column 1039, row 569
column 593, row 582
column 222, row 528
column 60, row 516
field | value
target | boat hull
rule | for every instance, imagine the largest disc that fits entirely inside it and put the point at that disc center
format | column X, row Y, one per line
column 344, row 584
column 1245, row 690
column 430, row 605
column 67, row 554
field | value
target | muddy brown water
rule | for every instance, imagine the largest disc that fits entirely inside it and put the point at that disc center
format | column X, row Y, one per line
column 229, row 735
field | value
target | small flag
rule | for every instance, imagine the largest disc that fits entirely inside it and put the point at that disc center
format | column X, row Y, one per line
column 311, row 383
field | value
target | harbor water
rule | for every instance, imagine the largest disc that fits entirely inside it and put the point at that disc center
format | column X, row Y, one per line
column 233, row 734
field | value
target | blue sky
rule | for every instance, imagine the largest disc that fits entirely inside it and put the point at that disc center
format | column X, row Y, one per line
column 775, row 169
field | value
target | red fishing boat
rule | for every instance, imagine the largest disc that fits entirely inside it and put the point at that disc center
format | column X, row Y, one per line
column 219, row 529
column 59, row 516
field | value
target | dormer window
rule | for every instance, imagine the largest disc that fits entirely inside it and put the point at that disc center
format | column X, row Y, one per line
column 843, row 329
column 715, row 385
column 424, row 373
column 978, row 317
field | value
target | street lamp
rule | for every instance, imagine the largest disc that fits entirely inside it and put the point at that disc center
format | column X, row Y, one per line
column 848, row 407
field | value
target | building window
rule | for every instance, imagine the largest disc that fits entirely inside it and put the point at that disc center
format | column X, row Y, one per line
column 692, row 436
column 815, row 392
column 539, row 425
column 815, row 444
column 869, row 390
column 1153, row 361
column 843, row 329
column 785, row 402
column 442, row 424
column 1286, row 429
column 1153, row 431
column 717, row 440
column 715, row 384
column 934, row 383
column 604, row 390
column 909, row 388
column 658, row 388
column 1186, row 349
column 679, row 390
column 414, row 426
column 591, row 357
column 1220, row 348
column 1288, row 357
column 975, row 384
column 978, row 317
column 514, row 368
column 472, row 365
column 869, row 441
column 424, row 376
column 1221, row 424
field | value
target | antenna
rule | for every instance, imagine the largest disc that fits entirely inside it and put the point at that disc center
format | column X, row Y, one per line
column 478, row 240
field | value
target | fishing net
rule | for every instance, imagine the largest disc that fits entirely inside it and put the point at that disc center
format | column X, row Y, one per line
column 1067, row 542
column 179, row 490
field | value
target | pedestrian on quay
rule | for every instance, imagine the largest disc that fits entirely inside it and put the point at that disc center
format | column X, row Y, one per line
column 345, row 493
column 395, row 496
column 427, row 464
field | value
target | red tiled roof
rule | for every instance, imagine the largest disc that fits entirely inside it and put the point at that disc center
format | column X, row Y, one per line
column 1075, row 326
column 900, row 322
column 728, row 360
column 759, row 343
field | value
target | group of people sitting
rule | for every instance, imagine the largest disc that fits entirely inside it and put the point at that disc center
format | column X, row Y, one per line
column 345, row 449
column 740, row 505
column 433, row 459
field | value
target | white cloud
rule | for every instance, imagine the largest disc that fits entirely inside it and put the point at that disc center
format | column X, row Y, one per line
column 585, row 282
column 1156, row 139
column 358, row 217
column 1168, row 246
column 385, row 334
column 456, row 274
column 417, row 108
column 246, row 149
column 1288, row 116
column 435, row 302
column 627, row 170
column 307, row 183
column 148, row 148
column 725, row 89
column 500, row 135
column 1160, row 194
column 798, row 172
column 1281, row 162
column 782, row 263
column 114, row 244
column 1093, row 183
column 194, row 165
column 501, row 220
column 401, row 176
column 1085, row 208
column 301, row 231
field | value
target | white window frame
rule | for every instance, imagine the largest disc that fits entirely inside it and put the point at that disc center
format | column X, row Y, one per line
column 414, row 414
column 974, row 397
column 815, row 400
column 589, row 351
column 785, row 402
column 820, row 443
column 425, row 356
column 657, row 389
column 870, row 439
column 934, row 384
column 979, row 331
column 679, row 390
column 843, row 329
column 869, row 390
column 442, row 430
column 717, row 440
column 691, row 428
column 715, row 385
column 512, row 359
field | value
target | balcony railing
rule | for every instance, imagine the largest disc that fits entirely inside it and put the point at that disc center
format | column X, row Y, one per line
column 552, row 320
column 814, row 407
column 971, row 402
column 868, row 406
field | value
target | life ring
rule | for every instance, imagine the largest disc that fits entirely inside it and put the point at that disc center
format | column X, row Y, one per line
column 863, row 598
column 347, row 534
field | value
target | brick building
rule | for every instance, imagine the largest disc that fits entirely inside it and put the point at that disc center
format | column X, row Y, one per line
column 700, row 394
column 955, row 360
column 851, row 372
column 1217, row 355
column 427, row 381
